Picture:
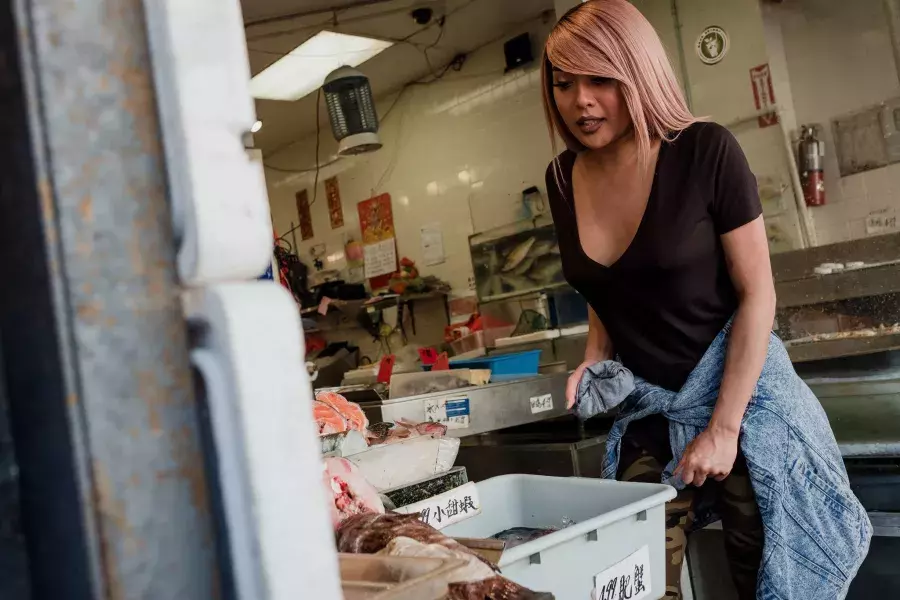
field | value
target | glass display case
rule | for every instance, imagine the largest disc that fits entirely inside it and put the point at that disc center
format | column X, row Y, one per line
column 516, row 259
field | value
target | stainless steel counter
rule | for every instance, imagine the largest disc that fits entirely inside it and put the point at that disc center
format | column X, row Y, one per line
column 490, row 407
column 864, row 412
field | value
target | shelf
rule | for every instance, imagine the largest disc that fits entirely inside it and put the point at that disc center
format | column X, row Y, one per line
column 836, row 348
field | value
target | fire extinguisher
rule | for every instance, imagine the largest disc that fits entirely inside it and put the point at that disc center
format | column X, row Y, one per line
column 811, row 154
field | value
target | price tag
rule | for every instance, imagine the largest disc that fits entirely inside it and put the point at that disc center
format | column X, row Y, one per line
column 541, row 404
column 629, row 578
column 452, row 412
column 448, row 508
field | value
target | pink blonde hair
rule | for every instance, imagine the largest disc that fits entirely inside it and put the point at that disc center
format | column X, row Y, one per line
column 611, row 38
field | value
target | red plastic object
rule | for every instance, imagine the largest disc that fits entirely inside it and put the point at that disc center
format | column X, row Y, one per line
column 428, row 356
column 442, row 363
column 385, row 368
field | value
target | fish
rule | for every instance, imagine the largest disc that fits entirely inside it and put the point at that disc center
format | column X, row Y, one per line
column 517, row 536
column 540, row 248
column 495, row 588
column 546, row 270
column 348, row 492
column 354, row 415
column 471, row 570
column 518, row 254
column 328, row 419
column 368, row 533
column 516, row 283
column 524, row 266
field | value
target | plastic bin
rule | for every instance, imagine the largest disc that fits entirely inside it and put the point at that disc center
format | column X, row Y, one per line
column 468, row 343
column 503, row 366
column 613, row 520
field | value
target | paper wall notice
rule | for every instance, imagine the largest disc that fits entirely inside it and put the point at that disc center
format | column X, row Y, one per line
column 884, row 221
column 380, row 258
column 432, row 244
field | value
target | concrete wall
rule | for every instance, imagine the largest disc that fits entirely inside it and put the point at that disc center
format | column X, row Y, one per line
column 839, row 60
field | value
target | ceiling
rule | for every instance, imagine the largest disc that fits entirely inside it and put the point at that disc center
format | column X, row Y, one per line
column 275, row 27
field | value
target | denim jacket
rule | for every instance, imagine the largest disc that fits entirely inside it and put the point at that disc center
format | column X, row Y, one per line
column 816, row 532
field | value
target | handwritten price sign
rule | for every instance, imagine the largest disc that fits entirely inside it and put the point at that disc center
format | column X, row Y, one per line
column 541, row 403
column 447, row 508
column 625, row 580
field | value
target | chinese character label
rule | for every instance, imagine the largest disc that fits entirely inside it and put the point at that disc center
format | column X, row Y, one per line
column 881, row 222
column 447, row 508
column 628, row 579
column 541, row 404
column 452, row 412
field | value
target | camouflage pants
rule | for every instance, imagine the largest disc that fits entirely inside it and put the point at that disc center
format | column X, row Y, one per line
column 645, row 452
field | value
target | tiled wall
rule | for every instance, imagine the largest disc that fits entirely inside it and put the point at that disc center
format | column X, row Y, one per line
column 458, row 152
column 839, row 59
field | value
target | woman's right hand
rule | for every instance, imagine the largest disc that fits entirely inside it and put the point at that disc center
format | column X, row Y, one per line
column 574, row 380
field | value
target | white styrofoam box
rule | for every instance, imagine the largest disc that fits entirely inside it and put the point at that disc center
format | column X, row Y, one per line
column 613, row 520
column 392, row 465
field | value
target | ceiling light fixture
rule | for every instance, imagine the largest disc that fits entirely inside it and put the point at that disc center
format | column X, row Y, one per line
column 256, row 127
column 303, row 69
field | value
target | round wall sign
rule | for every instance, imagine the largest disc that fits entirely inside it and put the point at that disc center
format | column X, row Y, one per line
column 712, row 45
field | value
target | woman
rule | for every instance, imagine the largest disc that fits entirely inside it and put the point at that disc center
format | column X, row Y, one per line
column 661, row 231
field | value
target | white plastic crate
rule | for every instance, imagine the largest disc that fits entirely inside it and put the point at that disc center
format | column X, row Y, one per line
column 613, row 521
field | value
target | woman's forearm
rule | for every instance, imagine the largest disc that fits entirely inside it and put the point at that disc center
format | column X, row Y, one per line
column 747, row 347
column 599, row 346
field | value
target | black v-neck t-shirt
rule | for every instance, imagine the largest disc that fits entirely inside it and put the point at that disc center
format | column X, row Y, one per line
column 668, row 296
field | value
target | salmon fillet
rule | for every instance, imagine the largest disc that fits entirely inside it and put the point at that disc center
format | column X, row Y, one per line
column 328, row 419
column 351, row 411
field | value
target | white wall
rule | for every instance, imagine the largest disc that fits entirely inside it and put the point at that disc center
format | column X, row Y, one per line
column 724, row 93
column 458, row 152
column 839, row 59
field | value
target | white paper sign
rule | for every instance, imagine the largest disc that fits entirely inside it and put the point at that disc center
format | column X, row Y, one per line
column 629, row 578
column 432, row 244
column 448, row 508
column 452, row 411
column 882, row 222
column 541, row 404
column 380, row 258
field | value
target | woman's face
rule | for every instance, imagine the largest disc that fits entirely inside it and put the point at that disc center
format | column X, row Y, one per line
column 592, row 107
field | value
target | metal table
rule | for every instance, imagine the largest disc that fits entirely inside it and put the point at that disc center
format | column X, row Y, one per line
column 490, row 407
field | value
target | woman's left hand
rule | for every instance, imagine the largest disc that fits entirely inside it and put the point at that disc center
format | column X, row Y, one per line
column 710, row 454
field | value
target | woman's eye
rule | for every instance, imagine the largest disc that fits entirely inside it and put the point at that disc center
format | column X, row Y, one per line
column 600, row 80
column 563, row 85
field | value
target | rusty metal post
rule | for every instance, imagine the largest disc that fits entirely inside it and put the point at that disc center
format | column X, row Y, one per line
column 95, row 356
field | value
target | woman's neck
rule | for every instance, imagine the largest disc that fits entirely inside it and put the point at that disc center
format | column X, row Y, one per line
column 620, row 152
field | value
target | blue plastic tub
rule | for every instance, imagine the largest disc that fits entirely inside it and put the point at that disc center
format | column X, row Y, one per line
column 503, row 366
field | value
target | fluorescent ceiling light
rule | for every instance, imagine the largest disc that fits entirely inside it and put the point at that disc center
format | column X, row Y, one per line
column 303, row 70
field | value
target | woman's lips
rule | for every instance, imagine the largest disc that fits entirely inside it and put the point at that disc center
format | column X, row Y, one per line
column 589, row 125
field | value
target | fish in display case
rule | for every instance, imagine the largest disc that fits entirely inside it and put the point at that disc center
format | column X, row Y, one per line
column 514, row 259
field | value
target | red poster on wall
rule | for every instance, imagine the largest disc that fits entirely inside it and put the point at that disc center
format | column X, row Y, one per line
column 306, row 230
column 335, row 210
column 376, row 223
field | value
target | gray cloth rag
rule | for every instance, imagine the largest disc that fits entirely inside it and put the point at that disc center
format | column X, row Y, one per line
column 603, row 386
